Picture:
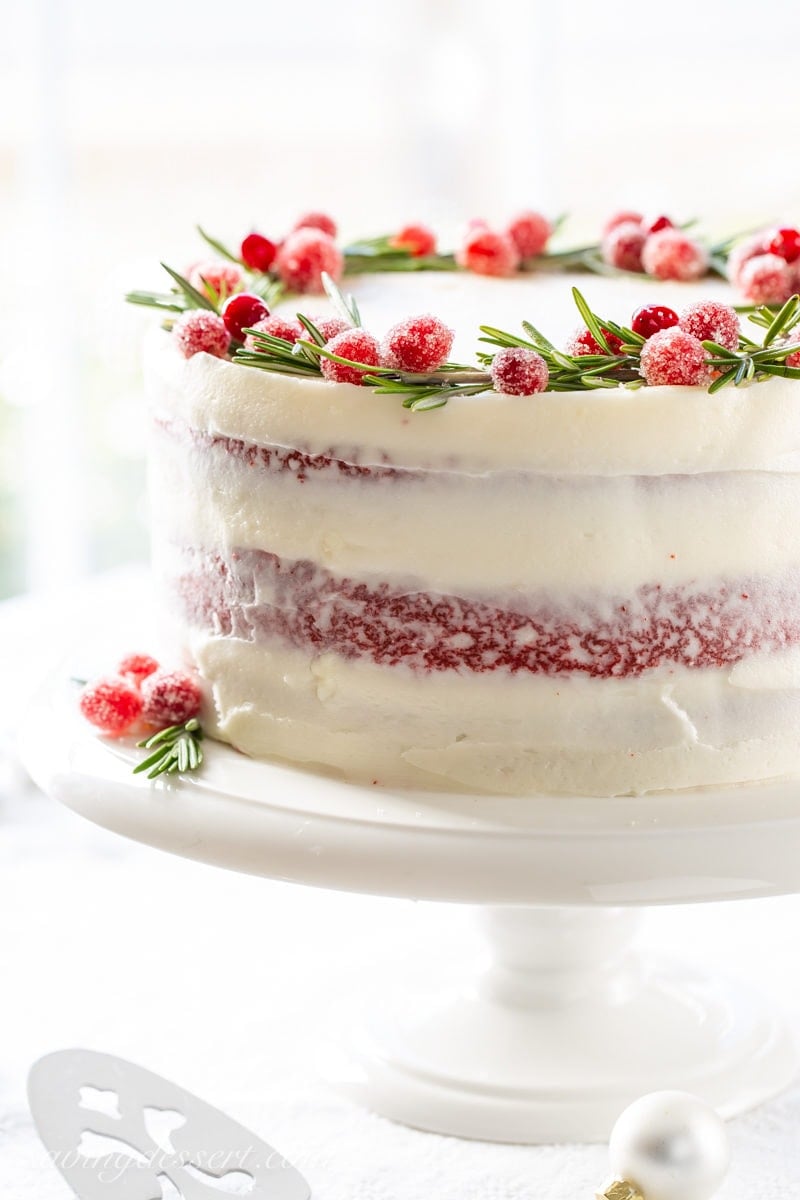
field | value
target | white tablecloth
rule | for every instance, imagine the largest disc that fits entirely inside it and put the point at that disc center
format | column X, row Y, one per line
column 230, row 985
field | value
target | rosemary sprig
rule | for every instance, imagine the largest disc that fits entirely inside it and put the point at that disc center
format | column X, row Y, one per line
column 177, row 749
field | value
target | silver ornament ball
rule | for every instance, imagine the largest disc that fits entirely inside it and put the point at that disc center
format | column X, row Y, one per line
column 671, row 1146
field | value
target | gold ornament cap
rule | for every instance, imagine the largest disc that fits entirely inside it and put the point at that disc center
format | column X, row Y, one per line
column 618, row 1189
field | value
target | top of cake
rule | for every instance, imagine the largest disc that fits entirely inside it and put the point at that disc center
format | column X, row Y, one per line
column 615, row 372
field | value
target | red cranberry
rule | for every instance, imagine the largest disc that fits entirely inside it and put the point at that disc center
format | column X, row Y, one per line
column 657, row 224
column 243, row 311
column 786, row 244
column 258, row 252
column 651, row 318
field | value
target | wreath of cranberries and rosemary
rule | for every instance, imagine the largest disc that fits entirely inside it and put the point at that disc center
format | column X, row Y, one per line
column 140, row 695
column 703, row 345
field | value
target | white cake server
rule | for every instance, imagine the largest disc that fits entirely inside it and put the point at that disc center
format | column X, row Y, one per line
column 118, row 1132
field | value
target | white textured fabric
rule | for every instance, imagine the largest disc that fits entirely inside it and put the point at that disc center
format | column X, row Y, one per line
column 230, row 984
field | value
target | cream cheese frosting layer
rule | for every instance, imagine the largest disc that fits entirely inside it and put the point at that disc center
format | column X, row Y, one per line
column 513, row 529
column 648, row 431
column 501, row 735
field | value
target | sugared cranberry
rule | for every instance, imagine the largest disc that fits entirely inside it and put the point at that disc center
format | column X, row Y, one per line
column 317, row 220
column 622, row 218
column 418, row 240
column 656, row 224
column 200, row 330
column 258, row 252
column 278, row 327
column 529, row 231
column 741, row 253
column 711, row 321
column 766, row 279
column 170, row 698
column 331, row 327
column 358, row 346
column 651, row 318
column 622, row 247
column 243, row 311
column 786, row 244
column 216, row 279
column 487, row 253
column 516, row 371
column 670, row 254
column 304, row 256
column 674, row 357
column 137, row 667
column 112, row 703
column 418, row 344
column 583, row 342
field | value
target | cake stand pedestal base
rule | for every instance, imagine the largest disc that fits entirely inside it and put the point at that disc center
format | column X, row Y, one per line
column 565, row 1027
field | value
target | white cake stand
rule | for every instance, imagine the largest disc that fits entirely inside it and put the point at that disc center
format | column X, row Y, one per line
column 567, row 1024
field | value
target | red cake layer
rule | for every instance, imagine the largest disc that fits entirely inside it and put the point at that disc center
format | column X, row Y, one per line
column 280, row 458
column 257, row 596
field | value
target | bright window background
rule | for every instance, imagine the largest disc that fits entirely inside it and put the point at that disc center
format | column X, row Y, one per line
column 124, row 125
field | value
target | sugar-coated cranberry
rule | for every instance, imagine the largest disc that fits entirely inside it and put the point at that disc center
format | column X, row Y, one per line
column 516, row 371
column 358, row 346
column 170, row 698
column 670, row 254
column 656, row 224
column 766, row 279
column 418, row 240
column 742, row 252
column 331, row 327
column 217, row 279
column 786, row 244
column 200, row 330
column 673, row 356
column 712, row 321
column 304, row 256
column 317, row 220
column 487, row 253
column 418, row 344
column 583, row 342
column 278, row 327
column 529, row 231
column 258, row 252
column 651, row 318
column 624, row 217
column 137, row 666
column 622, row 247
column 112, row 703
column 243, row 311
column 793, row 360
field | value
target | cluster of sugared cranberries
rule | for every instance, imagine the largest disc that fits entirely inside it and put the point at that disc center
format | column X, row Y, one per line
column 516, row 371
column 765, row 267
column 416, row 240
column 217, row 280
column 200, row 330
column 633, row 242
column 418, row 344
column 488, row 251
column 139, row 690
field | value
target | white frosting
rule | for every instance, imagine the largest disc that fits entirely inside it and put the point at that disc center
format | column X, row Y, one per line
column 570, row 494
column 501, row 734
